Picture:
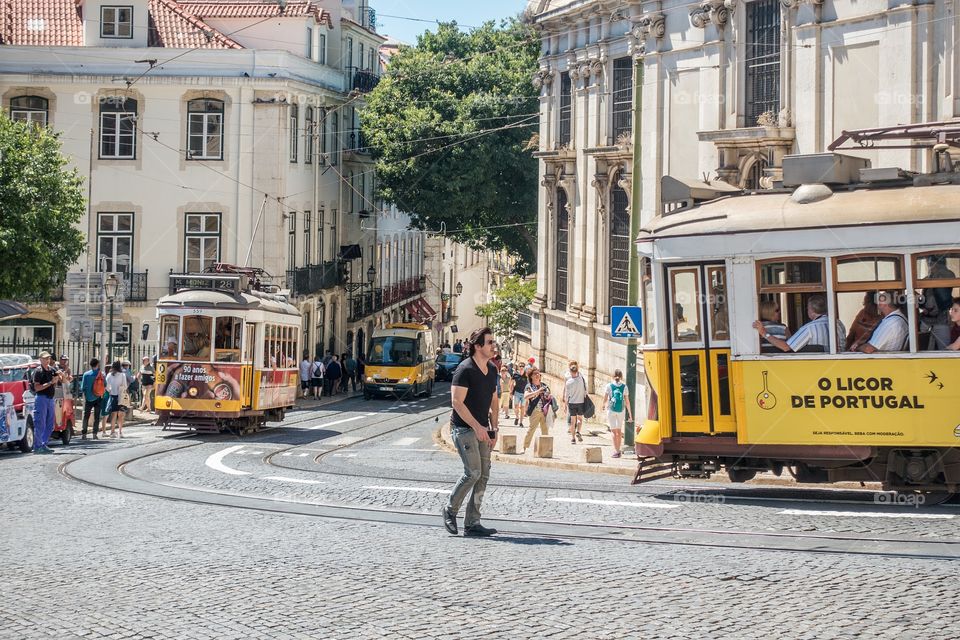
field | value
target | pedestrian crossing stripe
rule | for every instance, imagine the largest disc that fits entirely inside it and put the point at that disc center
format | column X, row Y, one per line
column 625, row 322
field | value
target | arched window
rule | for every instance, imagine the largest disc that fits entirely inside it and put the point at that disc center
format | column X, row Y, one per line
column 29, row 109
column 308, row 133
column 118, row 128
column 754, row 174
column 563, row 223
column 619, row 245
column 205, row 130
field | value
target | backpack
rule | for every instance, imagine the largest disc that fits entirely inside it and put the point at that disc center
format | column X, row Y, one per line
column 616, row 397
column 98, row 386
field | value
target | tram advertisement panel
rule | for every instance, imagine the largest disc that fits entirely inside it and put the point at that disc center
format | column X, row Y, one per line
column 275, row 388
column 875, row 402
column 196, row 381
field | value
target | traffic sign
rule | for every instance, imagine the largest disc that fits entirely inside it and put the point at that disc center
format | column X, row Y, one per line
column 626, row 322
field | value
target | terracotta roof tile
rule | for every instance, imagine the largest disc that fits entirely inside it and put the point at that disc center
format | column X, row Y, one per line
column 257, row 9
column 41, row 23
column 171, row 25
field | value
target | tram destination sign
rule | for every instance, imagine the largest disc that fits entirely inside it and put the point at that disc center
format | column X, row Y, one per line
column 211, row 282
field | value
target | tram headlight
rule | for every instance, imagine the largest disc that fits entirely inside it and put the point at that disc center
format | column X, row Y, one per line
column 369, row 378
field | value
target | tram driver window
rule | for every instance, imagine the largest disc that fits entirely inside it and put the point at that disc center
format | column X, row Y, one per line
column 686, row 306
column 227, row 339
column 937, row 285
column 869, row 288
column 196, row 337
column 169, row 337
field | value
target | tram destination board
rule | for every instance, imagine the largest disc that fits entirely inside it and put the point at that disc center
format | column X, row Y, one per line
column 230, row 284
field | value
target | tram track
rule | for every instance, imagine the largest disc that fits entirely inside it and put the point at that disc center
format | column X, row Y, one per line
column 124, row 479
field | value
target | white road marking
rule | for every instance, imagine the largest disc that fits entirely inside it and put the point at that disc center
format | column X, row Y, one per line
column 420, row 489
column 404, row 442
column 335, row 422
column 286, row 479
column 616, row 503
column 249, row 453
column 344, row 455
column 340, row 441
column 867, row 514
column 215, row 461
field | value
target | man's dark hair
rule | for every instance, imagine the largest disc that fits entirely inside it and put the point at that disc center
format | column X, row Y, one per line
column 476, row 339
column 93, row 363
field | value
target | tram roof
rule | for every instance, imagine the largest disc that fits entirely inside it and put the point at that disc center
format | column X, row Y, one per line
column 777, row 211
column 216, row 300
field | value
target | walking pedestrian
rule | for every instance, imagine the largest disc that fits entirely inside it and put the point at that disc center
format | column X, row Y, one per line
column 539, row 404
column 316, row 376
column 92, row 387
column 457, row 346
column 331, row 376
column 473, row 427
column 520, row 380
column 145, row 376
column 305, row 366
column 117, row 386
column 350, row 367
column 44, row 385
column 616, row 400
column 574, row 395
column 506, row 384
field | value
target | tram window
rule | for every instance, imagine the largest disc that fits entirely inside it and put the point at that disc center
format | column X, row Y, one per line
column 936, row 286
column 869, row 269
column 858, row 280
column 248, row 350
column 690, row 385
column 686, row 306
column 169, row 337
column 196, row 337
column 648, row 302
column 227, row 339
column 719, row 325
column 791, row 273
column 268, row 356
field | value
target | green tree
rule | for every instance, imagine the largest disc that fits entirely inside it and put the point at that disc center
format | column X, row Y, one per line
column 41, row 201
column 508, row 302
column 450, row 124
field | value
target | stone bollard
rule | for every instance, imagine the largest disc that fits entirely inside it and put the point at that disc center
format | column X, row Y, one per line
column 508, row 444
column 592, row 455
column 543, row 447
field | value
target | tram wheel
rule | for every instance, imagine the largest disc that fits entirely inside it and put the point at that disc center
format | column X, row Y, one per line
column 740, row 475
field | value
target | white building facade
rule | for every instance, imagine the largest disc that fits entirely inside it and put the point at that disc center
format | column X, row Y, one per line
column 728, row 88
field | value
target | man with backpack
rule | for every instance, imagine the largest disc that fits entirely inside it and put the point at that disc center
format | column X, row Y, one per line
column 331, row 376
column 616, row 401
column 92, row 386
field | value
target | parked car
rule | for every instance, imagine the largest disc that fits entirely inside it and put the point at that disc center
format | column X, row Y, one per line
column 15, row 380
column 446, row 363
column 16, row 425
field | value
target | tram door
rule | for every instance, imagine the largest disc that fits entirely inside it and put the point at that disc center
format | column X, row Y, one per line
column 700, row 349
column 249, row 363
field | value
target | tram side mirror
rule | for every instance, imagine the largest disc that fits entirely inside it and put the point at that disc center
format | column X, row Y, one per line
column 419, row 358
column 145, row 331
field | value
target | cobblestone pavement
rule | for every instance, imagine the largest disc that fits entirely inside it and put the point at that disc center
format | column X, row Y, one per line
column 95, row 563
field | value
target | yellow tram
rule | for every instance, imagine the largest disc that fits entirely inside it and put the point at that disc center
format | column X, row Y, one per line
column 721, row 396
column 227, row 353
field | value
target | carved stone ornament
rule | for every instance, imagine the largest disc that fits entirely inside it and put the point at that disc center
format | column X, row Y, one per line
column 584, row 72
column 625, row 182
column 715, row 12
column 543, row 79
column 793, row 4
column 601, row 182
column 596, row 68
column 569, row 185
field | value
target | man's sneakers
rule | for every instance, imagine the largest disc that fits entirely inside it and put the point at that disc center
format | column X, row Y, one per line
column 478, row 531
column 449, row 520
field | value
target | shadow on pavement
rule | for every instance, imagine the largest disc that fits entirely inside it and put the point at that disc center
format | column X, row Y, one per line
column 527, row 540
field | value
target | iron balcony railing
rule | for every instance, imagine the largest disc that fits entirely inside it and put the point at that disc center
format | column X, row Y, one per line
column 363, row 81
column 311, row 279
column 135, row 286
column 357, row 142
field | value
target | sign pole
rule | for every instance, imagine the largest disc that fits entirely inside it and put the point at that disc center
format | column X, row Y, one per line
column 633, row 281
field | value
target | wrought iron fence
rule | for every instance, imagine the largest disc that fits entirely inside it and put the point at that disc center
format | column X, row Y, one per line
column 135, row 286
column 364, row 81
column 306, row 280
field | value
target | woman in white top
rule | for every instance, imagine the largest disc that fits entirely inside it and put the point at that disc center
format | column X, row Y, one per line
column 616, row 401
column 116, row 384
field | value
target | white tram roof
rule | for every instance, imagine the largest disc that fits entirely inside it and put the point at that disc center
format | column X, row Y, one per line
column 846, row 220
column 220, row 300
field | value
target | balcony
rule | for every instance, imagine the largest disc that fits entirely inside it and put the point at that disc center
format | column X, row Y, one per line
column 365, row 302
column 356, row 142
column 363, row 81
column 314, row 278
column 135, row 286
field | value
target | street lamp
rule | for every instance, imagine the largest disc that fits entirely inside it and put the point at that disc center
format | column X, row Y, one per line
column 447, row 296
column 371, row 274
column 110, row 289
column 459, row 288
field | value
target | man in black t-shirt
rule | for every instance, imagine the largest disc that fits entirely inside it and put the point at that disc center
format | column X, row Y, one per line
column 473, row 427
column 45, row 381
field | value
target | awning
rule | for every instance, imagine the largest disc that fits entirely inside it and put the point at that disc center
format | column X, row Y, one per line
column 11, row 309
column 427, row 310
column 413, row 310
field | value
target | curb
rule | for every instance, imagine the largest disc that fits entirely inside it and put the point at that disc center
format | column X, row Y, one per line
column 547, row 463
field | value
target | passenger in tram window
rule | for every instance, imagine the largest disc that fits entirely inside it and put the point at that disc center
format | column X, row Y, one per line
column 863, row 325
column 892, row 332
column 935, row 304
column 813, row 336
column 196, row 337
column 770, row 319
column 954, row 313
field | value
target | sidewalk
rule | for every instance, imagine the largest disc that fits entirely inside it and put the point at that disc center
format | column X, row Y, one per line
column 566, row 456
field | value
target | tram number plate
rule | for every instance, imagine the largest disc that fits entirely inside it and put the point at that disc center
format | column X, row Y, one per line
column 385, row 389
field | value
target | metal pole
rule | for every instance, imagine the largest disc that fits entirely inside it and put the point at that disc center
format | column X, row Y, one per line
column 110, row 338
column 633, row 281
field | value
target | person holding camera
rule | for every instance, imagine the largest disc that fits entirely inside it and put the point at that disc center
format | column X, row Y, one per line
column 473, row 428
column 45, row 381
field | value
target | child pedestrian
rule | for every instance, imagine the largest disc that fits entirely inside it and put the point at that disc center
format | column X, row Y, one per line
column 617, row 403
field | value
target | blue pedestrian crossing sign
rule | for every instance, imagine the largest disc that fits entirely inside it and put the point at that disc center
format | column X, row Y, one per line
column 626, row 322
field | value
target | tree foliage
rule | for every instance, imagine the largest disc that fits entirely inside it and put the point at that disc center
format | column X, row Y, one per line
column 508, row 302
column 449, row 125
column 41, row 201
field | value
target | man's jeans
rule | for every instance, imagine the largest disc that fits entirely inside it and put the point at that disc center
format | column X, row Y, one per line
column 95, row 407
column 476, row 472
column 43, row 416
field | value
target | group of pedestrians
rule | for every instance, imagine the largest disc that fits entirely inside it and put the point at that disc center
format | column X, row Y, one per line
column 330, row 375
column 107, row 395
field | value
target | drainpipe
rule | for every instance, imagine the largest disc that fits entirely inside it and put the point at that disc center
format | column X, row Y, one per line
column 633, row 281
